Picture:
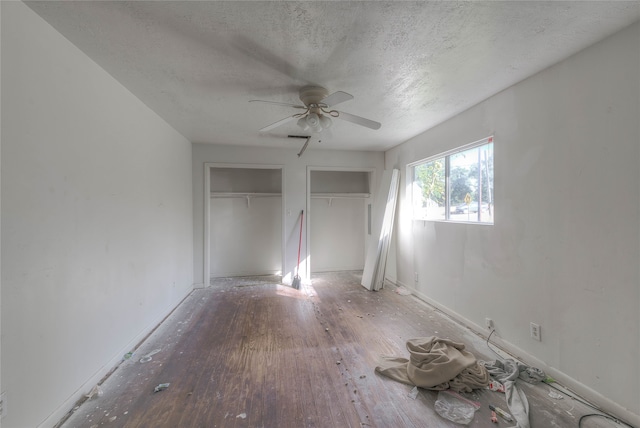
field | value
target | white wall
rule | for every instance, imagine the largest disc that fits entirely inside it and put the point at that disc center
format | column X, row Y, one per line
column 245, row 238
column 338, row 225
column 96, row 220
column 245, row 232
column 294, row 189
column 338, row 231
column 564, row 249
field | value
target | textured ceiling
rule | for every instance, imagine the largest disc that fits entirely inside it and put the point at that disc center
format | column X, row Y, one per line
column 409, row 65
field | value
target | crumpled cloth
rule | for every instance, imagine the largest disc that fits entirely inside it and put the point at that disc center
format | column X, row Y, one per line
column 436, row 364
column 507, row 372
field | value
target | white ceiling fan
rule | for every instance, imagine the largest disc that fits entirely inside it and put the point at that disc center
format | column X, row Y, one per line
column 317, row 114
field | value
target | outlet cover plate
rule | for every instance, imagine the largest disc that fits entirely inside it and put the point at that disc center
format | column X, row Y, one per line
column 488, row 322
column 535, row 331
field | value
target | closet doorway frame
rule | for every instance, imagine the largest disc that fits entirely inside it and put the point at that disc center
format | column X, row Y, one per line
column 309, row 213
column 206, row 265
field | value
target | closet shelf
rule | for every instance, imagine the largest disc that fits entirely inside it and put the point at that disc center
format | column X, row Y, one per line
column 331, row 196
column 245, row 195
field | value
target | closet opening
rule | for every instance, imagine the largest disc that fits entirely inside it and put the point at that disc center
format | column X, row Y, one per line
column 244, row 218
column 338, row 223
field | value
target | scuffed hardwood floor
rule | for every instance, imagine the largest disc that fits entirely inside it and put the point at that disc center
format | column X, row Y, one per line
column 248, row 352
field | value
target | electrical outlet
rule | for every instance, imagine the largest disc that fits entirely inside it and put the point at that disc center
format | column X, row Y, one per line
column 534, row 329
column 488, row 322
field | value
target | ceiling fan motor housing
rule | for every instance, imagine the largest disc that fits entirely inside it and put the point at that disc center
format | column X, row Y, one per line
column 312, row 95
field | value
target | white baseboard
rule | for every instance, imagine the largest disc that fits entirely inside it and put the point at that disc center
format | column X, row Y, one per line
column 563, row 379
column 55, row 417
column 337, row 269
column 232, row 274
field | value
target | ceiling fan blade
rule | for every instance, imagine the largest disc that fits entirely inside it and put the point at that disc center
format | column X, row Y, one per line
column 259, row 53
column 278, row 123
column 337, row 98
column 279, row 104
column 359, row 120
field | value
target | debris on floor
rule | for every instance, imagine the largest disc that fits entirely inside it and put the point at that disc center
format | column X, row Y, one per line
column 96, row 391
column 161, row 387
column 147, row 357
column 507, row 372
column 414, row 393
column 555, row 395
column 454, row 407
column 494, row 385
column 403, row 291
column 242, row 416
column 506, row 416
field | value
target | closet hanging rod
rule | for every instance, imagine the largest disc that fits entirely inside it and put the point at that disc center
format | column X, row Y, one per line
column 244, row 195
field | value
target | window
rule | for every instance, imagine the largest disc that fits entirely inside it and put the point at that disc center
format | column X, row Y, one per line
column 455, row 186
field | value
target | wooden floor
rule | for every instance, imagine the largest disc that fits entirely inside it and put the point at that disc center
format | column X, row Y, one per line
column 248, row 352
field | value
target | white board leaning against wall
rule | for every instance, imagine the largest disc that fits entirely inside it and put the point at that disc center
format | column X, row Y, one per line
column 384, row 209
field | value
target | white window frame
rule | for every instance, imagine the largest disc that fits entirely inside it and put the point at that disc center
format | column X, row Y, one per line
column 483, row 217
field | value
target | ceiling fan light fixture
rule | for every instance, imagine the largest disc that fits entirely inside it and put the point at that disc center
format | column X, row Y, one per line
column 302, row 123
column 325, row 122
column 313, row 120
